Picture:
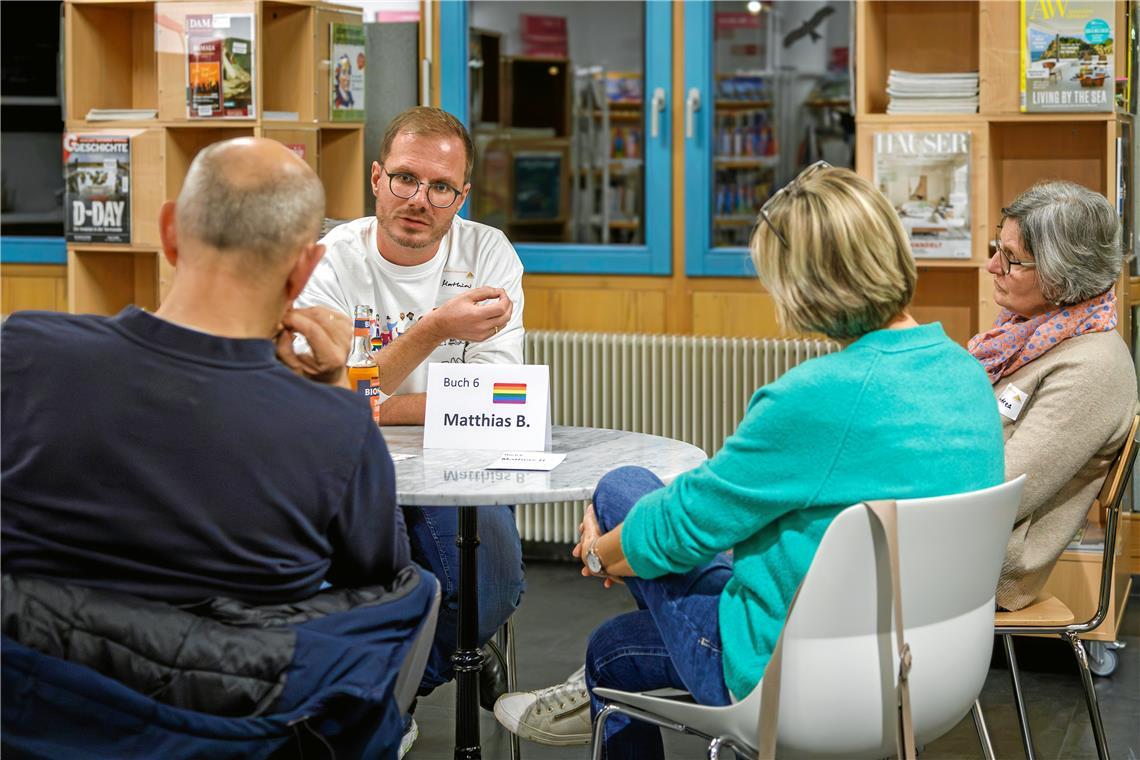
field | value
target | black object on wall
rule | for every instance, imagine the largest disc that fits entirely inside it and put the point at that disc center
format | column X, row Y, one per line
column 31, row 117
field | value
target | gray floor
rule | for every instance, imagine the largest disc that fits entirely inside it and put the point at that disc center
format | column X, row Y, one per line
column 561, row 608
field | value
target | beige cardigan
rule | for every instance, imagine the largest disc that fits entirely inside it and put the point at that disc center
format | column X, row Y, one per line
column 1081, row 399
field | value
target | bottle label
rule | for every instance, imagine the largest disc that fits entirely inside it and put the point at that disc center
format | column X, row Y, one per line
column 360, row 327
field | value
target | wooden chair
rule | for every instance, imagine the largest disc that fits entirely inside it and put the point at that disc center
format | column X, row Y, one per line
column 1049, row 615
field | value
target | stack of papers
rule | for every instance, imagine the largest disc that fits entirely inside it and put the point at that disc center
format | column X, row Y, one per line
column 121, row 114
column 911, row 92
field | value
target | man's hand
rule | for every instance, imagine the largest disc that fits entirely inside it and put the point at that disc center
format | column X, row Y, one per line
column 329, row 334
column 465, row 318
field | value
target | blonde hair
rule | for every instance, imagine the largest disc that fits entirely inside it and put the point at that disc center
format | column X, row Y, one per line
column 847, row 268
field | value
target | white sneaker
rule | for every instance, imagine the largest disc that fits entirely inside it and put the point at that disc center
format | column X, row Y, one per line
column 558, row 715
column 411, row 733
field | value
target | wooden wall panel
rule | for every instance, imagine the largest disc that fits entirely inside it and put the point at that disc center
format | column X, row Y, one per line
column 734, row 315
column 33, row 286
column 595, row 310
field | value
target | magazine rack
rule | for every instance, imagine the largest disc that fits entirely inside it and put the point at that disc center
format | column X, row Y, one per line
column 132, row 55
column 1010, row 152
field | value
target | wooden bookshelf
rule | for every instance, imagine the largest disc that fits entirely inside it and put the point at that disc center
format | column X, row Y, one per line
column 1009, row 150
column 131, row 55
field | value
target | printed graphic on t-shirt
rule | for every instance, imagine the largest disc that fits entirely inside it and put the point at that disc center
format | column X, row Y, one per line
column 385, row 327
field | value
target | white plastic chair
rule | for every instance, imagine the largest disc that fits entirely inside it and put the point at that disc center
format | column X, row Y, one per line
column 837, row 690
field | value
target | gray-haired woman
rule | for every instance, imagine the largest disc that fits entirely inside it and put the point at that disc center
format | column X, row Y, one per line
column 1063, row 377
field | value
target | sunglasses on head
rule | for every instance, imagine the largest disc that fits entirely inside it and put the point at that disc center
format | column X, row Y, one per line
column 781, row 193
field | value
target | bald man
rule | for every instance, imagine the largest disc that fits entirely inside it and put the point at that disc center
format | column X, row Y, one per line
column 190, row 453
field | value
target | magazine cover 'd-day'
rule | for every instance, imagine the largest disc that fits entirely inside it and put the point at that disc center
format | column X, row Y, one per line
column 219, row 65
column 97, row 188
column 1067, row 55
column 346, row 91
column 926, row 177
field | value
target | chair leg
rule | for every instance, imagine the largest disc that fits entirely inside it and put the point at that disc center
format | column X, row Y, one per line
column 600, row 730
column 505, row 637
column 1090, row 694
column 1019, row 699
column 983, row 732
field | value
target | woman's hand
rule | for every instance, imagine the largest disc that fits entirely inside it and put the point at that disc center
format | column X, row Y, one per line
column 588, row 533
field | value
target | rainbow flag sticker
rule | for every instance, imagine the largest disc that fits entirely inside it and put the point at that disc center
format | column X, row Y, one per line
column 509, row 393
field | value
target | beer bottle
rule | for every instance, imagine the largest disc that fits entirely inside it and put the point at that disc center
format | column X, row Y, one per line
column 363, row 374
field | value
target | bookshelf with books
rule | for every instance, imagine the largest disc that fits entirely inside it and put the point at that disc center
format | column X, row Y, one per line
column 745, row 154
column 607, row 145
column 177, row 76
column 1009, row 151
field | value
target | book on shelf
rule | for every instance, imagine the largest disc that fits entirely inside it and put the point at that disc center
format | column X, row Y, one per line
column 623, row 87
column 121, row 114
column 915, row 92
column 745, row 134
column 926, row 177
column 219, row 65
column 743, row 87
column 97, row 186
column 346, row 88
column 1066, row 62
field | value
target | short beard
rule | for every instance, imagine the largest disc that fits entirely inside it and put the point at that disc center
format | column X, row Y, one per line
column 412, row 243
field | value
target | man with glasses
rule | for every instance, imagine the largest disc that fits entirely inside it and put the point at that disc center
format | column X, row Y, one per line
column 464, row 280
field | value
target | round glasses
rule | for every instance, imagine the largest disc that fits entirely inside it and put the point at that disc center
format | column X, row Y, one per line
column 404, row 185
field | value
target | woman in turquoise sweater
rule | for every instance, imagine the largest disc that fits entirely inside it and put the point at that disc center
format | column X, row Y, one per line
column 900, row 412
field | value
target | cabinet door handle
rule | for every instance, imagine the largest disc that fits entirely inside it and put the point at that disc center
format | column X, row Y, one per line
column 692, row 105
column 656, row 107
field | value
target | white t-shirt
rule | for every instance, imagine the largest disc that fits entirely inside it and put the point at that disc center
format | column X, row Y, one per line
column 470, row 255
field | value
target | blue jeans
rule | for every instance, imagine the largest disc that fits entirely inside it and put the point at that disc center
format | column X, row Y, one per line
column 432, row 532
column 671, row 641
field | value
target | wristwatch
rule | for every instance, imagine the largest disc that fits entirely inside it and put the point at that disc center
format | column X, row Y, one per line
column 593, row 561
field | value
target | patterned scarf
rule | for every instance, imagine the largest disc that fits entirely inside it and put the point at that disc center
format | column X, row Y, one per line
column 1014, row 341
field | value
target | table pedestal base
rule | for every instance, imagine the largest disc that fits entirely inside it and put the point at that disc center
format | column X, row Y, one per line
column 468, row 658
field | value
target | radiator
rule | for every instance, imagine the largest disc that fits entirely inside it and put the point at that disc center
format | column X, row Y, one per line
column 693, row 389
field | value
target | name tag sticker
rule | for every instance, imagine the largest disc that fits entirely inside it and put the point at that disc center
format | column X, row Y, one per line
column 488, row 407
column 1011, row 400
column 540, row 461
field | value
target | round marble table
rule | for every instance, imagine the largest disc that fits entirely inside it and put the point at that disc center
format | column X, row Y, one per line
column 455, row 477
column 458, row 478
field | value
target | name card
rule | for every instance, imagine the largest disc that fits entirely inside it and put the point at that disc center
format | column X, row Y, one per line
column 487, row 406
column 536, row 461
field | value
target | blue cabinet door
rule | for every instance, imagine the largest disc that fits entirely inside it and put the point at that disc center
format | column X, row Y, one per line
column 766, row 92
column 651, row 251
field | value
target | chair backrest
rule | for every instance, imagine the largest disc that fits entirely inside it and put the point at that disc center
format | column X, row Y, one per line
column 1107, row 505
column 837, row 694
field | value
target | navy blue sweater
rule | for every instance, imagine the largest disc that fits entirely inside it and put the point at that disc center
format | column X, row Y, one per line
column 148, row 458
